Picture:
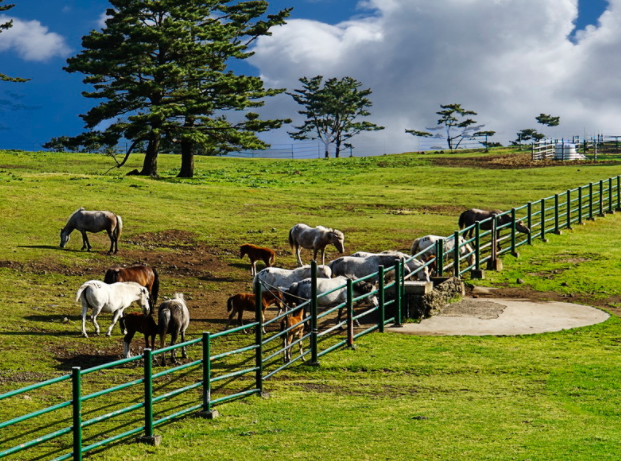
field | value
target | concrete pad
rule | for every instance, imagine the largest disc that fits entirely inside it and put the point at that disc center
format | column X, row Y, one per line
column 511, row 317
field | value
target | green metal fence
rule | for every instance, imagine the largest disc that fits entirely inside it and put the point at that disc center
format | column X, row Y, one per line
column 139, row 405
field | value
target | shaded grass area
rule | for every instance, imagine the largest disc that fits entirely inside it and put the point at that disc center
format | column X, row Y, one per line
column 550, row 396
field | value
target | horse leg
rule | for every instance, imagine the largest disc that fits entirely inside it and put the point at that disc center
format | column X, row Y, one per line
column 230, row 319
column 111, row 237
column 240, row 319
column 84, row 309
column 300, row 335
column 115, row 318
column 173, row 340
column 94, row 320
column 127, row 352
column 253, row 268
column 85, row 243
column 263, row 320
column 183, row 351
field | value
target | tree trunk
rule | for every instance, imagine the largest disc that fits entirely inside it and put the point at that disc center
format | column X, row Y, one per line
column 187, row 160
column 149, row 167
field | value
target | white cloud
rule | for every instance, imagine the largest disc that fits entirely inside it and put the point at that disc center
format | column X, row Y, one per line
column 508, row 60
column 32, row 41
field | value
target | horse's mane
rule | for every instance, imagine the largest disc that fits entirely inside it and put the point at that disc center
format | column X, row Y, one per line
column 79, row 209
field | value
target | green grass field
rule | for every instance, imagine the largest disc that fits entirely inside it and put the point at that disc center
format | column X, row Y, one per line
column 553, row 396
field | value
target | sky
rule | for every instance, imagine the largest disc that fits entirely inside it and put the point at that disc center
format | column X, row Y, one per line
column 507, row 60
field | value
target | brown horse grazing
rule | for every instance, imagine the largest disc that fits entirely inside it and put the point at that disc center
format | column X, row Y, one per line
column 293, row 321
column 143, row 275
column 469, row 217
column 93, row 221
column 138, row 322
column 255, row 254
column 241, row 302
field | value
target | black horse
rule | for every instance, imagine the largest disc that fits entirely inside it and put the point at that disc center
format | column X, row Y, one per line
column 469, row 217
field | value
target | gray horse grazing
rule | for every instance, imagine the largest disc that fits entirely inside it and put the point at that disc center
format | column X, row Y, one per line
column 174, row 317
column 469, row 217
column 93, row 221
column 316, row 239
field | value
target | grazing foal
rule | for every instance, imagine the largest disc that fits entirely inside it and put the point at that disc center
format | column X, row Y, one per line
column 255, row 254
column 241, row 302
column 138, row 322
column 292, row 320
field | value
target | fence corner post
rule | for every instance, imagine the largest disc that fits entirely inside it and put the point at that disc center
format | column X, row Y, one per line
column 514, row 252
column 314, row 335
column 149, row 438
column 207, row 412
column 350, row 314
column 76, row 400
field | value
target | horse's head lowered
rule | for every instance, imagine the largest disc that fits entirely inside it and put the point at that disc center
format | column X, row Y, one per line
column 143, row 301
column 338, row 240
column 520, row 227
column 64, row 237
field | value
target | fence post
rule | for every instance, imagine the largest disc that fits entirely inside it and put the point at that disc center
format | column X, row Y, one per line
column 591, row 218
column 529, row 210
column 76, row 401
column 556, row 228
column 580, row 205
column 543, row 220
column 258, row 335
column 568, row 210
column 207, row 412
column 382, row 308
column 148, row 436
column 398, row 293
column 494, row 264
column 440, row 257
column 313, row 312
column 349, row 305
column 618, row 193
column 456, row 254
column 477, row 244
column 610, row 210
column 513, row 235
column 601, row 198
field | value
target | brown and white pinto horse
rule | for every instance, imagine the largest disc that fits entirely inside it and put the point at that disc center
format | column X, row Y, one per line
column 241, row 302
column 255, row 254
column 141, row 274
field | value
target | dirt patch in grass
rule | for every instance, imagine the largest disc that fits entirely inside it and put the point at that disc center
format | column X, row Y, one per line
column 509, row 161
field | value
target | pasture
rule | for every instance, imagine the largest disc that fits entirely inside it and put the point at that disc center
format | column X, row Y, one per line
column 552, row 396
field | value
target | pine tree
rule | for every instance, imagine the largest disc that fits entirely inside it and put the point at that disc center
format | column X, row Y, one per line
column 160, row 67
column 3, row 27
column 331, row 111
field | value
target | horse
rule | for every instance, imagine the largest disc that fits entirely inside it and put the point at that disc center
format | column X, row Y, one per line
column 137, row 322
column 241, row 302
column 296, row 323
column 114, row 299
column 141, row 274
column 174, row 317
column 316, row 239
column 335, row 290
column 255, row 254
column 428, row 245
column 469, row 217
column 93, row 221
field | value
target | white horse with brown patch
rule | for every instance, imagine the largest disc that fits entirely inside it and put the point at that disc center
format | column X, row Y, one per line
column 427, row 244
column 316, row 239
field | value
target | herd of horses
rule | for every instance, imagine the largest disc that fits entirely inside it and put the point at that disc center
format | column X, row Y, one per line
column 123, row 286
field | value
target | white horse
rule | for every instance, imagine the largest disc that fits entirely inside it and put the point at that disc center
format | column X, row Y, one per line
column 113, row 298
column 93, row 221
column 428, row 245
column 173, row 317
column 316, row 239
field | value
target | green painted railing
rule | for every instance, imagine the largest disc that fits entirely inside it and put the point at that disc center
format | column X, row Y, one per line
column 548, row 215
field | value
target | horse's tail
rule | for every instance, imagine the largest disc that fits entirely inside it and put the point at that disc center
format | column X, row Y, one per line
column 155, row 289
column 119, row 228
column 414, row 249
column 112, row 276
column 82, row 292
column 462, row 220
column 229, row 304
column 291, row 238
column 163, row 321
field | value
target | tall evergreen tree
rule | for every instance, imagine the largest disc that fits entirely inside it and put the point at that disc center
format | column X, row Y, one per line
column 331, row 111
column 160, row 67
column 3, row 27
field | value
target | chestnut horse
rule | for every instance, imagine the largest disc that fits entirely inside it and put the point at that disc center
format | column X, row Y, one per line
column 255, row 254
column 143, row 275
column 241, row 302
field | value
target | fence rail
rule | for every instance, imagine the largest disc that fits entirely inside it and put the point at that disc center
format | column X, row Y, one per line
column 250, row 365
